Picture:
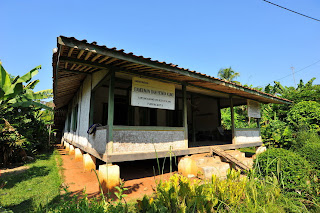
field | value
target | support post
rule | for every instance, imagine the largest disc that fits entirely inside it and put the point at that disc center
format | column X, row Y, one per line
column 71, row 150
column 193, row 121
column 78, row 154
column 91, row 108
column 185, row 114
column 219, row 111
column 89, row 162
column 109, row 176
column 110, row 112
column 232, row 121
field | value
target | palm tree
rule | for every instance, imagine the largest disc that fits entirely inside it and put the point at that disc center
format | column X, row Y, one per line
column 228, row 74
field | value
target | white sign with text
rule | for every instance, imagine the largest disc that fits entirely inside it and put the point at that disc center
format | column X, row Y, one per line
column 152, row 94
column 254, row 109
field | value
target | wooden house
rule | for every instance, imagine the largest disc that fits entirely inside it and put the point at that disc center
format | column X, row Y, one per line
column 144, row 107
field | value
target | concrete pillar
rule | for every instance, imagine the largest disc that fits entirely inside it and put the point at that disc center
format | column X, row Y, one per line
column 89, row 162
column 67, row 146
column 109, row 176
column 78, row 154
column 71, row 150
column 187, row 166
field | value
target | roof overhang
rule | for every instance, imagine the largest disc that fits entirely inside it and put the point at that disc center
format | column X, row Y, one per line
column 75, row 59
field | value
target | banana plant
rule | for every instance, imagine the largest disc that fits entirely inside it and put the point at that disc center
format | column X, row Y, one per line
column 14, row 94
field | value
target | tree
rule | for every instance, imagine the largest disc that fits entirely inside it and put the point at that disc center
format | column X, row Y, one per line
column 21, row 127
column 228, row 74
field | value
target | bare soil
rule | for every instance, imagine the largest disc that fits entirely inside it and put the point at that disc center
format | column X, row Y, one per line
column 139, row 176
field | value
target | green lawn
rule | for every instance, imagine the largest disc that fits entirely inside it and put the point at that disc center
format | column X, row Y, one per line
column 39, row 185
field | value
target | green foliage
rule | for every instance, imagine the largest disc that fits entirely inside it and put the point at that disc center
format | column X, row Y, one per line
column 235, row 194
column 21, row 124
column 275, row 132
column 290, row 168
column 305, row 114
column 228, row 74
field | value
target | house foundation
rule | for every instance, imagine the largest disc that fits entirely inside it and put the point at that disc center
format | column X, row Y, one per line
column 78, row 154
column 71, row 150
column 109, row 176
column 89, row 162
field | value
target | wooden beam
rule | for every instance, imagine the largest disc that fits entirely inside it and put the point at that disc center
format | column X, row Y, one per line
column 80, row 54
column 72, row 67
column 103, row 59
column 88, row 55
column 74, row 71
column 70, row 51
column 122, row 62
column 110, row 112
column 77, row 68
column 95, row 58
column 66, row 65
column 111, row 60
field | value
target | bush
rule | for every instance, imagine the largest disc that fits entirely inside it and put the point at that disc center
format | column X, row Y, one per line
column 291, row 169
column 305, row 137
column 305, row 114
column 276, row 133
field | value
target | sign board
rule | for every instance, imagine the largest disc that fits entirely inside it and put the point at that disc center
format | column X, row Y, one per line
column 152, row 94
column 254, row 109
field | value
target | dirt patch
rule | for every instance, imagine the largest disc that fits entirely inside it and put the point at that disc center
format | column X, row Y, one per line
column 13, row 171
column 139, row 176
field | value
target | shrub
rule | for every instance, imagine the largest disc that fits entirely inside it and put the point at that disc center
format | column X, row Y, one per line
column 291, row 169
column 312, row 153
column 305, row 137
column 276, row 133
column 305, row 114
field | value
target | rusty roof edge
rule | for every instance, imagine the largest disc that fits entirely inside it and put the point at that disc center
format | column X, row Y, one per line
column 120, row 54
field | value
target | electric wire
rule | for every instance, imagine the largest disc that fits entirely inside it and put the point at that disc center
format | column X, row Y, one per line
column 291, row 10
column 293, row 73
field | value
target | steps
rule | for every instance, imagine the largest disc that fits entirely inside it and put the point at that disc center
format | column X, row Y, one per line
column 205, row 165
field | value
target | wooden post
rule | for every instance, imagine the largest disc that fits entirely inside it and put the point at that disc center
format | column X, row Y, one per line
column 91, row 108
column 219, row 111
column 111, row 111
column 232, row 120
column 193, row 121
column 185, row 114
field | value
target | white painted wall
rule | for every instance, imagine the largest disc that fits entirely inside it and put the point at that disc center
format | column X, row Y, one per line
column 82, row 98
column 247, row 136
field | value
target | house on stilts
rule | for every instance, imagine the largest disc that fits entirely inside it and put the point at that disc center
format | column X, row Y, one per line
column 143, row 105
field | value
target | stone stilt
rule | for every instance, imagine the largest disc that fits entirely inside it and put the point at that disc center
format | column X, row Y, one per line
column 89, row 162
column 109, row 176
column 187, row 166
column 67, row 146
column 78, row 154
column 71, row 150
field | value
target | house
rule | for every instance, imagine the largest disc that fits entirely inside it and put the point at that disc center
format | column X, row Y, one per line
column 144, row 107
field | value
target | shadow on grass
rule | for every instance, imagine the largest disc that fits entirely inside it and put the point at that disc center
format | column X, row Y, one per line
column 35, row 171
column 24, row 206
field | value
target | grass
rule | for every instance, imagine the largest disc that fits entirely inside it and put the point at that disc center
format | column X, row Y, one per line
column 37, row 186
column 249, row 151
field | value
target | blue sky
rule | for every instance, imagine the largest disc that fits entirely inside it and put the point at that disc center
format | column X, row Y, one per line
column 260, row 41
